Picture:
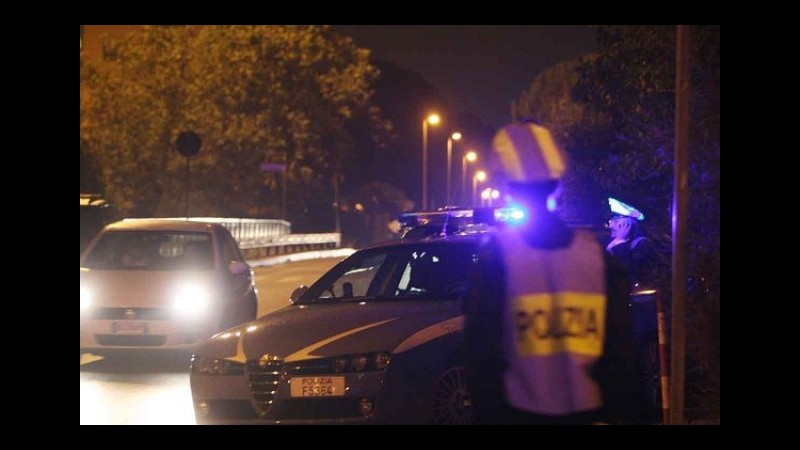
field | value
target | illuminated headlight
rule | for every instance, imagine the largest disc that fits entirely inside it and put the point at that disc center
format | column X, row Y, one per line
column 204, row 365
column 191, row 299
column 86, row 298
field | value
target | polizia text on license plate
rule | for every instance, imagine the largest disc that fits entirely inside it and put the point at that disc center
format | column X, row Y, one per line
column 317, row 386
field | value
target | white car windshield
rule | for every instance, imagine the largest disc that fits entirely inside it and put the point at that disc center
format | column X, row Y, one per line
column 151, row 250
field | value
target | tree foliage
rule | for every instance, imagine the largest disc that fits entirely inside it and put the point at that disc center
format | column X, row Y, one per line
column 366, row 213
column 283, row 94
column 630, row 152
column 549, row 99
column 618, row 128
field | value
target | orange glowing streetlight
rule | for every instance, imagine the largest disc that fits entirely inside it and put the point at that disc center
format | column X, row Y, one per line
column 470, row 156
column 485, row 195
column 480, row 176
column 453, row 137
column 489, row 195
column 432, row 119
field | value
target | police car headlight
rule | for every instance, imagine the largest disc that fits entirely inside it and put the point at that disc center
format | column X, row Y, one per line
column 381, row 360
column 86, row 298
column 201, row 365
column 191, row 299
column 339, row 364
column 204, row 365
column 359, row 363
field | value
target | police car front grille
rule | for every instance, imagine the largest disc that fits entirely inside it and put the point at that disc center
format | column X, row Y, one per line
column 263, row 377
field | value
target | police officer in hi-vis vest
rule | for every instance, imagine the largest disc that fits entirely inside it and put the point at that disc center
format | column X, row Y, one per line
column 548, row 327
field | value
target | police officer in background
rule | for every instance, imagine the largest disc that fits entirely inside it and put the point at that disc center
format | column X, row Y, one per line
column 630, row 245
column 548, row 328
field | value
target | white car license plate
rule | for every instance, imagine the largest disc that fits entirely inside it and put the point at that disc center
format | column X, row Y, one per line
column 128, row 327
column 317, row 386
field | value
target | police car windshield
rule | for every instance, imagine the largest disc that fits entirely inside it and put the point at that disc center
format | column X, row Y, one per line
column 427, row 271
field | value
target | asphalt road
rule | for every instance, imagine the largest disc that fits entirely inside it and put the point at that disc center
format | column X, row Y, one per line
column 147, row 388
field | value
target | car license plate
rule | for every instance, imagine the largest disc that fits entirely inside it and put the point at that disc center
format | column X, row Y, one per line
column 128, row 327
column 317, row 386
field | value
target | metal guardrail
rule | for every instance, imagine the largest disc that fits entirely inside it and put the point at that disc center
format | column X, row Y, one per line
column 267, row 237
column 293, row 239
column 290, row 243
column 246, row 230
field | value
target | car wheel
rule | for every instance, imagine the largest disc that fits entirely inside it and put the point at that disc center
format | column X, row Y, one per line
column 452, row 400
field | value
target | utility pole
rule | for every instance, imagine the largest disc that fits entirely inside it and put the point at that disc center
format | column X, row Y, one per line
column 285, row 181
column 680, row 202
column 424, row 164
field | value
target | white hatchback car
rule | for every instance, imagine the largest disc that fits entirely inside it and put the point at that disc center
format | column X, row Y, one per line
column 167, row 284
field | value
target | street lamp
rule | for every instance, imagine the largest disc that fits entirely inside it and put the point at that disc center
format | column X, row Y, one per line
column 433, row 119
column 470, row 156
column 488, row 196
column 485, row 195
column 495, row 195
column 453, row 137
column 479, row 176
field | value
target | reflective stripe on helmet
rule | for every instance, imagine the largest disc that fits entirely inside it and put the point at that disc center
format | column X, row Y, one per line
column 529, row 153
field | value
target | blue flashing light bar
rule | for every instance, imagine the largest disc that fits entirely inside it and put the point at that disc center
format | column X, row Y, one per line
column 624, row 209
column 413, row 219
column 510, row 215
column 464, row 219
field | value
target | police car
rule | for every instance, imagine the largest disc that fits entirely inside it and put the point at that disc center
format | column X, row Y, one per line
column 162, row 284
column 377, row 339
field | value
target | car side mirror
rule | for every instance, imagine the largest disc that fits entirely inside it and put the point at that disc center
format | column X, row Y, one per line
column 297, row 293
column 238, row 267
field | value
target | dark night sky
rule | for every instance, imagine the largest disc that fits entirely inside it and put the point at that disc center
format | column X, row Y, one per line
column 479, row 69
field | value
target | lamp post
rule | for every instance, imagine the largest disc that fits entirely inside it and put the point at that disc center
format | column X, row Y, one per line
column 453, row 137
column 470, row 156
column 479, row 176
column 433, row 119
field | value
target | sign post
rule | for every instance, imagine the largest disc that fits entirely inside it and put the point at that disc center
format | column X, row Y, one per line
column 188, row 144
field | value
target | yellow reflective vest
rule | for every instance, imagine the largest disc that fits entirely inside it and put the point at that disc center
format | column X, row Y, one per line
column 555, row 323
